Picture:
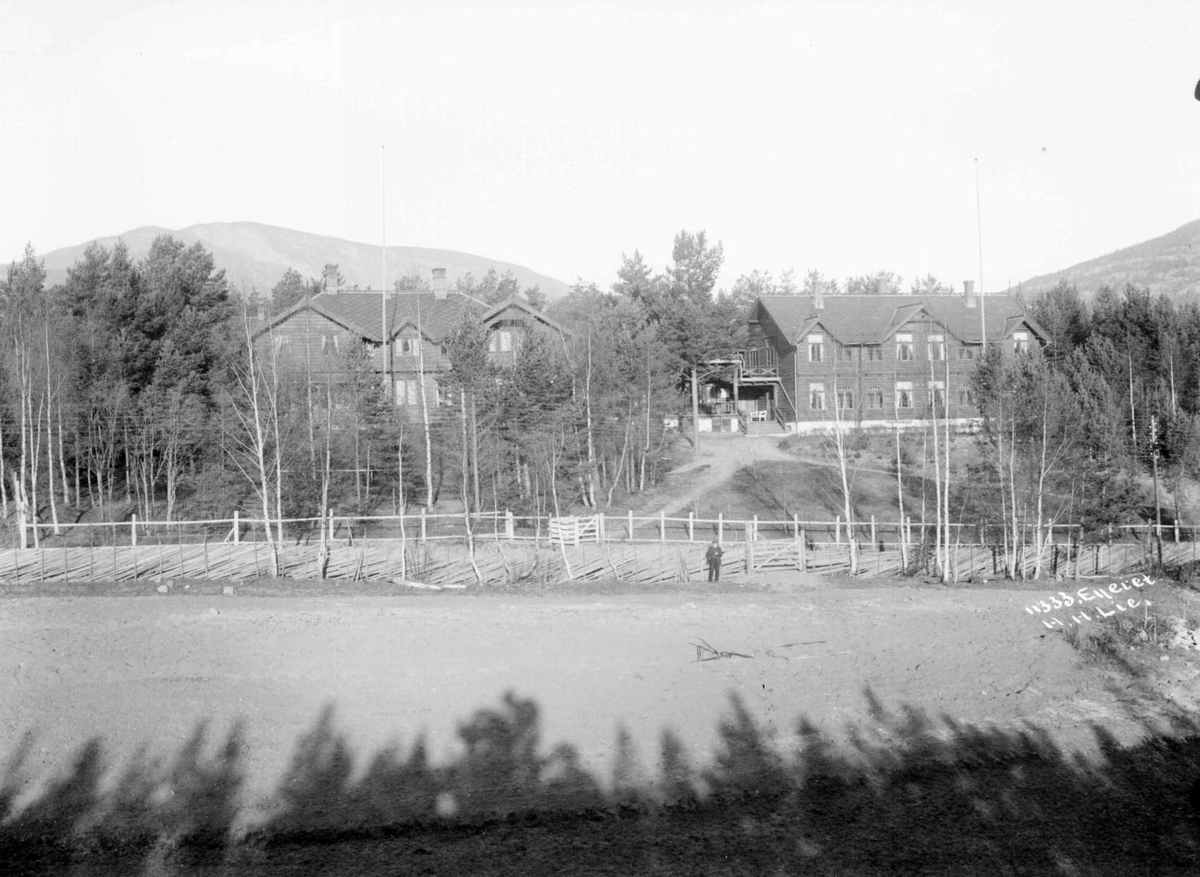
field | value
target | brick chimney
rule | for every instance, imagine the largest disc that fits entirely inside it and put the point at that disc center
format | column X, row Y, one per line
column 969, row 292
column 330, row 278
column 819, row 295
column 439, row 285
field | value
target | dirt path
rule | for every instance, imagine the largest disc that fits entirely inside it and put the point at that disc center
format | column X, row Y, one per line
column 721, row 456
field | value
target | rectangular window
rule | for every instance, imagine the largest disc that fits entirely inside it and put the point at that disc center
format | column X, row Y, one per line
column 407, row 391
column 969, row 351
column 965, row 396
column 845, row 400
column 937, row 347
column 845, row 354
column 875, row 399
column 501, row 341
column 875, row 353
column 406, row 347
column 904, row 394
column 816, row 397
column 904, row 347
column 280, row 342
column 816, row 348
column 1020, row 343
column 937, row 395
column 329, row 344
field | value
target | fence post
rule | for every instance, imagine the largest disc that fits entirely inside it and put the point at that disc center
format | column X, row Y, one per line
column 803, row 551
column 837, row 530
column 422, row 526
column 720, row 526
column 874, row 541
column 509, row 530
column 662, row 527
column 237, row 528
column 691, row 526
column 599, row 526
column 630, row 526
column 133, row 529
column 799, row 542
column 753, row 536
column 748, row 553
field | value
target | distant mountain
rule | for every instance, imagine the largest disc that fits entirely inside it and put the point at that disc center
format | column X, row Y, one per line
column 255, row 256
column 1169, row 264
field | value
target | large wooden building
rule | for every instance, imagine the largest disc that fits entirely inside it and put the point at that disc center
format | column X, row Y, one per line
column 870, row 360
column 402, row 333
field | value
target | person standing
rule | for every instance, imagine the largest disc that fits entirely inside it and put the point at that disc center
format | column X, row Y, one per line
column 713, row 556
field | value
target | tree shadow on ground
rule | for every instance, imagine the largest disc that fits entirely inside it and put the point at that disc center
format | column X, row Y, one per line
column 900, row 793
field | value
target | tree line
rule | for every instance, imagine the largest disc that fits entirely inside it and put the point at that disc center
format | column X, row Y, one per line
column 133, row 387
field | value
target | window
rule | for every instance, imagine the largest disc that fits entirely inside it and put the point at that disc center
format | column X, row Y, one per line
column 407, row 392
column 969, row 351
column 406, row 347
column 816, row 347
column 937, row 347
column 816, row 397
column 1020, row 343
column 904, row 394
column 329, row 344
column 904, row 347
column 280, row 342
column 937, row 395
column 845, row 354
column 875, row 399
column 845, row 400
column 501, row 341
column 965, row 396
column 874, row 353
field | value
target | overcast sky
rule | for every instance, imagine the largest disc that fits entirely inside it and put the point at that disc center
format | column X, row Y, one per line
column 843, row 137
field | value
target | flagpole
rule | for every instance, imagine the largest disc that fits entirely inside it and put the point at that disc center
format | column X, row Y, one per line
column 979, row 229
column 383, row 268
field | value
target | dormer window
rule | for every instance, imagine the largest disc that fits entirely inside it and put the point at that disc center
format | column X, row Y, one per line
column 500, row 341
column 1020, row 343
column 816, row 348
column 406, row 346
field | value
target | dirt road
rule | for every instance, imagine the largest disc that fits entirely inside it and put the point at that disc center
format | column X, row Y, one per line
column 144, row 671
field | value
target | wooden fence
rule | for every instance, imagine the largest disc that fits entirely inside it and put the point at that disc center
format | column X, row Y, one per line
column 506, row 555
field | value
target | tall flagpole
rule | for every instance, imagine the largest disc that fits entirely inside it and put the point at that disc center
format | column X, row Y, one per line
column 387, row 384
column 979, row 228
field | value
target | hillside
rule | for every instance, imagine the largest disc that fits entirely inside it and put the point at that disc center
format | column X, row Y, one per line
column 1170, row 264
column 255, row 256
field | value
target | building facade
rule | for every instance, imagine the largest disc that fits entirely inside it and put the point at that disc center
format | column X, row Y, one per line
column 872, row 360
column 400, row 337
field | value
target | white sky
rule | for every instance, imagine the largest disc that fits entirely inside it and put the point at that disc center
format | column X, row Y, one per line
column 836, row 136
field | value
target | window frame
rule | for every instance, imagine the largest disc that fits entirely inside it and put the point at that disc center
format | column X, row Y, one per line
column 905, row 387
column 816, row 394
column 904, row 344
column 816, row 344
column 936, row 344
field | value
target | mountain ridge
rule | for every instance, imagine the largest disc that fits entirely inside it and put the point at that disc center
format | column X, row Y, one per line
column 255, row 256
column 1169, row 263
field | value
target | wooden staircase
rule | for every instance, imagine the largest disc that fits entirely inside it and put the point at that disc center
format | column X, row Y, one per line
column 764, row 427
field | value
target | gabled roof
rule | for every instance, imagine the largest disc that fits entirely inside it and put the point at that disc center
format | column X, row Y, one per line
column 311, row 304
column 515, row 302
column 435, row 316
column 873, row 319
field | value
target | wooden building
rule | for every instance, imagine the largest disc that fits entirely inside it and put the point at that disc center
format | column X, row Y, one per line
column 401, row 335
column 871, row 360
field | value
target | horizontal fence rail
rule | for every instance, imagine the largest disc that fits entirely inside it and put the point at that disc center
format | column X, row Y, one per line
column 502, row 547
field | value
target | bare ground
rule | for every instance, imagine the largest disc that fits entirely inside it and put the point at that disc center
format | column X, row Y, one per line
column 140, row 674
